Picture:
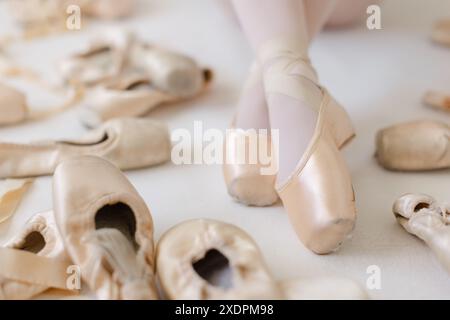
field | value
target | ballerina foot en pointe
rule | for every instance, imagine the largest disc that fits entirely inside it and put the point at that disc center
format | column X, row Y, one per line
column 317, row 193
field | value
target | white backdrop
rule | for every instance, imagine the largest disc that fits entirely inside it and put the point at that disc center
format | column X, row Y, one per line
column 379, row 75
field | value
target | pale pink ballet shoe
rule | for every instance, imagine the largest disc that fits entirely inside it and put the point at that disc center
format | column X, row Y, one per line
column 171, row 72
column 191, row 256
column 414, row 146
column 33, row 261
column 318, row 196
column 421, row 216
column 132, row 96
column 209, row 260
column 106, row 227
column 128, row 143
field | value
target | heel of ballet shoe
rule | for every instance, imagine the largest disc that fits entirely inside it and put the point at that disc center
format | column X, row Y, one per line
column 340, row 124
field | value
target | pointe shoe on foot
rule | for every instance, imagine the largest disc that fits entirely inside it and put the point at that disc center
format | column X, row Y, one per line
column 128, row 143
column 134, row 96
column 13, row 106
column 245, row 180
column 420, row 215
column 205, row 260
column 318, row 195
column 414, row 146
column 106, row 227
column 33, row 261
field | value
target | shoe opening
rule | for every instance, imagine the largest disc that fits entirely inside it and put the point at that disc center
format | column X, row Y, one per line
column 207, row 75
column 140, row 84
column 118, row 216
column 34, row 242
column 420, row 206
column 214, row 267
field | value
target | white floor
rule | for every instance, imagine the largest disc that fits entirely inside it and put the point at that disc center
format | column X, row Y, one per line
column 379, row 75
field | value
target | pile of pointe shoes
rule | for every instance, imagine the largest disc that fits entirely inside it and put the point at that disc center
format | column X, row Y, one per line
column 125, row 79
column 99, row 238
column 420, row 145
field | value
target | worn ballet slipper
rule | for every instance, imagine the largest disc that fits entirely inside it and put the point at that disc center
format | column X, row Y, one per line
column 33, row 261
column 129, row 96
column 414, row 146
column 207, row 259
column 323, row 288
column 441, row 32
column 13, row 106
column 427, row 221
column 409, row 204
column 106, row 227
column 318, row 195
column 437, row 100
column 169, row 71
column 103, row 60
column 128, row 143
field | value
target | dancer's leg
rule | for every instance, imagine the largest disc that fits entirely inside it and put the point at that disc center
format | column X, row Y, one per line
column 317, row 14
column 295, row 119
column 252, row 107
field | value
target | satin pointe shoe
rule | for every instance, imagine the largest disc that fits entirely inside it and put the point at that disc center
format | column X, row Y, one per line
column 318, row 196
column 106, row 227
column 422, row 216
column 102, row 61
column 323, row 288
column 131, row 96
column 207, row 260
column 414, row 146
column 33, row 261
column 171, row 72
column 128, row 143
column 13, row 106
column 244, row 181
